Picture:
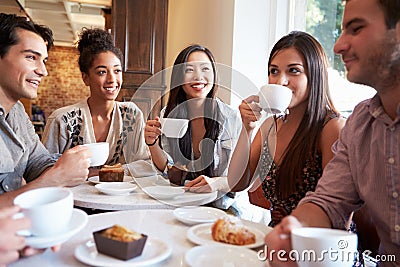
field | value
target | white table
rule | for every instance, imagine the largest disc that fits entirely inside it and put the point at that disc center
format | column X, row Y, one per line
column 159, row 224
column 87, row 196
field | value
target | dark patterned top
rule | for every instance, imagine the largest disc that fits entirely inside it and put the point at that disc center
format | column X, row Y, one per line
column 280, row 207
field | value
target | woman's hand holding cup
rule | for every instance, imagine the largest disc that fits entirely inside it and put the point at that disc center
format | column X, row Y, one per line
column 250, row 111
column 152, row 131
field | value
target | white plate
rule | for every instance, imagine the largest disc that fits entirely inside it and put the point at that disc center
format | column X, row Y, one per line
column 192, row 199
column 163, row 192
column 196, row 215
column 78, row 220
column 142, row 168
column 201, row 235
column 116, row 188
column 151, row 181
column 155, row 250
column 217, row 255
column 95, row 179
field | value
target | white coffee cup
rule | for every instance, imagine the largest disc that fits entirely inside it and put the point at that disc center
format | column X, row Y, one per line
column 323, row 247
column 48, row 208
column 275, row 98
column 175, row 128
column 100, row 153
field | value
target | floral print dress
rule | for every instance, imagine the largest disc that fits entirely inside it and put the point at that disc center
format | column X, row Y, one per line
column 280, row 207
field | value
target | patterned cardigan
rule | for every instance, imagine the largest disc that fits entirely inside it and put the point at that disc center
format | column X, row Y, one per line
column 72, row 125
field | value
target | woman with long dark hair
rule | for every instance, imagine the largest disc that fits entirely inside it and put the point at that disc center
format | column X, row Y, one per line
column 289, row 151
column 206, row 148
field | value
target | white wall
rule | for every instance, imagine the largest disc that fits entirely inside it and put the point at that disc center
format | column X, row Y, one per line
column 206, row 22
column 250, row 48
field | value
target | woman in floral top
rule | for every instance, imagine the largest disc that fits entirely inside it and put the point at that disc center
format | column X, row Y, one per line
column 99, row 118
column 289, row 151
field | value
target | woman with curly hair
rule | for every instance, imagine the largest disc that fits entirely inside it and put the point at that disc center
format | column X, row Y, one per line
column 99, row 118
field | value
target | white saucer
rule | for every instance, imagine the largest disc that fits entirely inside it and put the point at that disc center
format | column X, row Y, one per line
column 155, row 250
column 201, row 235
column 163, row 192
column 216, row 255
column 192, row 199
column 195, row 215
column 78, row 220
column 95, row 179
column 116, row 188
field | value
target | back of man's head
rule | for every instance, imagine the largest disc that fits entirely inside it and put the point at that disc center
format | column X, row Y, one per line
column 10, row 23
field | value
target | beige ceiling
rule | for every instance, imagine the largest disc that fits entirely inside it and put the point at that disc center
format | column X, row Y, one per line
column 65, row 18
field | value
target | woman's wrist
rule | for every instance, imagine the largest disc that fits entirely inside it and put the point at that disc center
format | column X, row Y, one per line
column 152, row 144
column 218, row 183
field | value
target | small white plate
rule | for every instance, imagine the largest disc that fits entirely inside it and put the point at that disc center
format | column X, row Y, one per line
column 217, row 255
column 78, row 220
column 201, row 235
column 163, row 192
column 155, row 250
column 196, row 215
column 116, row 188
column 95, row 180
column 192, row 199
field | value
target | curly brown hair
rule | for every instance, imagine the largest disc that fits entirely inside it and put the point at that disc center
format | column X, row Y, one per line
column 93, row 42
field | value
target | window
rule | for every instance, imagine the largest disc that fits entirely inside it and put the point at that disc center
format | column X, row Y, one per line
column 323, row 21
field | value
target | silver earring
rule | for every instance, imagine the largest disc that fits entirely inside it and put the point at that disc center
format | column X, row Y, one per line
column 284, row 116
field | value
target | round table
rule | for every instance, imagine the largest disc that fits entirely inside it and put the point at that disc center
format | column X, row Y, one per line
column 87, row 196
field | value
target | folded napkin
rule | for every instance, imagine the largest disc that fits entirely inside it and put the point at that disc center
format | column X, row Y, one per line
column 142, row 168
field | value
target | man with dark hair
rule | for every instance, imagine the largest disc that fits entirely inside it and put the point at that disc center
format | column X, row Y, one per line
column 365, row 171
column 24, row 162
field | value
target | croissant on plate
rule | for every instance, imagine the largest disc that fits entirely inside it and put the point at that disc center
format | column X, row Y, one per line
column 232, row 232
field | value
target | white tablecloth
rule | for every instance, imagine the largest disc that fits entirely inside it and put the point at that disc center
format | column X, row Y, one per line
column 159, row 224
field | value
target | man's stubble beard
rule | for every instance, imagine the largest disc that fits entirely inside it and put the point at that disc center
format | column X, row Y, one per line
column 387, row 62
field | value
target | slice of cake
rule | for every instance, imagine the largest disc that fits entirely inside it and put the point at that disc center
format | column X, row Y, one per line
column 114, row 173
column 121, row 233
column 120, row 242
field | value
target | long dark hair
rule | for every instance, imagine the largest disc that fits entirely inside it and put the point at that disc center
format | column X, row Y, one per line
column 303, row 145
column 93, row 42
column 181, row 150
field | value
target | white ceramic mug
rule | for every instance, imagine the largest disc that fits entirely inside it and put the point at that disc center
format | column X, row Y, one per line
column 275, row 98
column 175, row 128
column 323, row 247
column 48, row 208
column 100, row 153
